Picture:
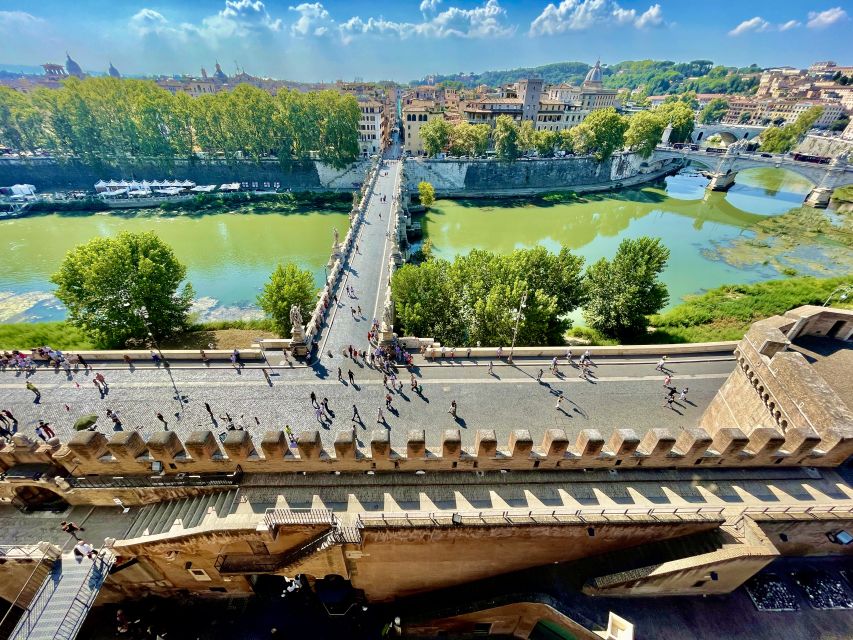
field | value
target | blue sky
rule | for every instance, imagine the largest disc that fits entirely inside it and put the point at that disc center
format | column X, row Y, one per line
column 406, row 39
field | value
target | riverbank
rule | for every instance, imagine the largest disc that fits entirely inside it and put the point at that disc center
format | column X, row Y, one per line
column 726, row 312
column 220, row 334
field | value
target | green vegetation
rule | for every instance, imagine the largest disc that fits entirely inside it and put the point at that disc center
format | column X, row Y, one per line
column 843, row 194
column 109, row 284
column 475, row 299
column 713, row 111
column 601, row 133
column 506, row 137
column 469, row 139
column 260, row 203
column 622, row 292
column 426, row 193
column 644, row 132
column 29, row 335
column 726, row 312
column 435, row 135
column 288, row 285
column 103, row 119
column 678, row 113
column 783, row 139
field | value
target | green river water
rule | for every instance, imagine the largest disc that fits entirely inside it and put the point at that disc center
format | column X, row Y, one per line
column 229, row 256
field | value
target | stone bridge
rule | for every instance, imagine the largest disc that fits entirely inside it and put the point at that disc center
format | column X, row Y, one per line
column 724, row 168
column 730, row 133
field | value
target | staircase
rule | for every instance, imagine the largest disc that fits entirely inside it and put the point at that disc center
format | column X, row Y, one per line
column 64, row 599
column 189, row 512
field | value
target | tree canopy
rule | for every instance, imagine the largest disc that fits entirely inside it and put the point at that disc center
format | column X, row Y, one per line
column 109, row 284
column 506, row 137
column 714, row 111
column 783, row 139
column 680, row 115
column 644, row 132
column 623, row 291
column 288, row 285
column 426, row 193
column 601, row 133
column 435, row 135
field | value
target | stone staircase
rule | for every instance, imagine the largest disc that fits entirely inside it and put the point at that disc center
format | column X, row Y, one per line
column 64, row 598
column 188, row 512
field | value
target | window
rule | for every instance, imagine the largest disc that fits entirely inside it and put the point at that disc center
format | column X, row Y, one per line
column 200, row 575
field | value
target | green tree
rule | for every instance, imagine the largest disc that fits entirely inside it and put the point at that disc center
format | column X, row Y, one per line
column 714, row 111
column 288, row 285
column 644, row 132
column 680, row 116
column 545, row 143
column 107, row 283
column 526, row 136
column 623, row 291
column 715, row 140
column 567, row 143
column 600, row 134
column 435, row 135
column 783, row 139
column 427, row 193
column 506, row 139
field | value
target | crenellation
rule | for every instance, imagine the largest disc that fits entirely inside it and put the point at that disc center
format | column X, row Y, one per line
column 623, row 442
column 274, row 446
column 416, row 445
column 126, row 447
column 729, row 442
column 166, row 448
column 764, row 444
column 520, row 444
column 309, row 445
column 239, row 447
column 88, row 445
column 486, row 444
column 657, row 445
column 451, row 444
column 203, row 447
column 555, row 444
column 380, row 445
column 693, row 444
column 346, row 447
column 589, row 444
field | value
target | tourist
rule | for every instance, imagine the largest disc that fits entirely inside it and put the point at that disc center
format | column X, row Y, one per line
column 155, row 358
column 539, row 376
column 569, row 357
column 666, row 380
column 351, row 377
column 71, row 528
column 314, row 398
column 661, row 364
column 204, row 357
column 318, row 413
column 83, row 548
column 82, row 361
column 380, row 417
column 35, row 391
column 683, row 395
column 40, row 431
column 668, row 402
column 559, row 402
column 452, row 410
column 325, row 404
column 290, row 435
column 209, row 411
column 491, row 368
column 13, row 419
column 340, row 375
column 163, row 420
column 500, row 352
column 414, row 383
column 554, row 364
column 356, row 417
column 128, row 360
column 359, row 310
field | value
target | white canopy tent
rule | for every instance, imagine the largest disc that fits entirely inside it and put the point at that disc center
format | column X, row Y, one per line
column 232, row 186
column 204, row 188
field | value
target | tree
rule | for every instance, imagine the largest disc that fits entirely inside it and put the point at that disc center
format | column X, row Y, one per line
column 713, row 111
column 288, row 285
column 545, row 142
column 680, row 116
column 526, row 136
column 107, row 284
column 600, row 134
column 435, row 135
column 427, row 193
column 840, row 124
column 783, row 139
column 506, row 139
column 644, row 132
column 715, row 140
column 623, row 291
column 567, row 143
column 745, row 117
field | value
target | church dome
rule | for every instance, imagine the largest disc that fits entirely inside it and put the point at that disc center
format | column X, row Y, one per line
column 219, row 74
column 72, row 67
column 594, row 74
column 113, row 71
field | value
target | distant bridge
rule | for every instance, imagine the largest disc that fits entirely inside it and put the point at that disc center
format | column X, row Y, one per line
column 730, row 133
column 724, row 167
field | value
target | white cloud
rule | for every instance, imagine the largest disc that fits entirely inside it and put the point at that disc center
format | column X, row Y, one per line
column 756, row 24
column 239, row 18
column 428, row 6
column 576, row 15
column 791, row 24
column 313, row 20
column 652, row 17
column 17, row 19
column 820, row 20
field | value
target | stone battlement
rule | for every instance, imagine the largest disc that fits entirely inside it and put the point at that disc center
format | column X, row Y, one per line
column 126, row 453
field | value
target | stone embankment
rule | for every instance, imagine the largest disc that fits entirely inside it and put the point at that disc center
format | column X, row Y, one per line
column 488, row 178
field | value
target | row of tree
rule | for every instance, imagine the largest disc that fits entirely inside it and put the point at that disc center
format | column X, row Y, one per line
column 476, row 298
column 602, row 132
column 784, row 139
column 104, row 119
column 119, row 289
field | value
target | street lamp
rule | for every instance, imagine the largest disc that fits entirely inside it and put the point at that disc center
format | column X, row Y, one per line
column 845, row 292
column 142, row 312
column 517, row 320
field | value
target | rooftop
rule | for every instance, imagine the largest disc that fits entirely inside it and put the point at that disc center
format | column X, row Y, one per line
column 833, row 360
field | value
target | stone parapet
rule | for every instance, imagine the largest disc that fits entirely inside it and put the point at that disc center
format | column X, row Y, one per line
column 127, row 453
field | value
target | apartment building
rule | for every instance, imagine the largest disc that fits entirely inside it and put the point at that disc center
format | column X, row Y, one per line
column 415, row 115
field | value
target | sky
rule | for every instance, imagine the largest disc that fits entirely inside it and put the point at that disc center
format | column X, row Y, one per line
column 405, row 40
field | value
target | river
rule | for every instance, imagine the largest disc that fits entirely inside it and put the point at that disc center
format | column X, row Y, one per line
column 229, row 256
column 689, row 221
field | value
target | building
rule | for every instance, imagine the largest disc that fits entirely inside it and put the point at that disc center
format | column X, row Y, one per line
column 73, row 68
column 373, row 126
column 416, row 113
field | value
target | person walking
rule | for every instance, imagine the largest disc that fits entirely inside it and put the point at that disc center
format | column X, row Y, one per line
column 388, row 401
column 380, row 417
column 209, row 410
column 668, row 402
column 452, row 410
column 163, row 420
column 683, row 395
column 491, row 368
column 340, row 375
column 47, row 429
column 539, row 376
column 414, row 383
column 569, row 357
column 40, row 432
column 71, row 528
column 661, row 364
column 12, row 418
column 559, row 404
column 325, row 405
column 318, row 413
column 554, row 364
column 81, row 360
column 351, row 377
column 666, row 380
column 35, row 391
column 314, row 398
column 356, row 417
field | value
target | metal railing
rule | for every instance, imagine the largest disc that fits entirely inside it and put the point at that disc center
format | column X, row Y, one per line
column 42, row 594
column 275, row 517
column 177, row 480
column 20, row 551
column 79, row 609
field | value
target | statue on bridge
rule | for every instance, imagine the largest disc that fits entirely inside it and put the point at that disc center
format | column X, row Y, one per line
column 297, row 331
column 337, row 237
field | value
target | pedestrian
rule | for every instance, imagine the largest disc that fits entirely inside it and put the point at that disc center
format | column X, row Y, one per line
column 683, row 395
column 204, row 357
column 314, row 398
column 668, row 402
column 155, row 358
column 380, row 417
column 554, row 364
column 414, row 382
column 452, row 410
column 351, row 377
column 83, row 548
column 128, row 360
column 340, row 375
column 559, row 402
column 318, row 412
column 500, row 352
column 352, row 311
column 325, row 404
column 666, row 380
column 71, row 528
column 290, row 435
column 539, row 376
column 359, row 310
column 82, row 360
column 582, row 368
column 40, row 431
column 468, row 353
column 385, row 381
column 661, row 364
column 209, row 410
column 35, row 391
column 163, row 420
column 569, row 357
column 9, row 416
column 491, row 368
column 116, row 423
column 356, row 417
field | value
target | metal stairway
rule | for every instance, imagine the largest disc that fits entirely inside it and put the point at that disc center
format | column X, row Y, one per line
column 64, row 599
column 161, row 517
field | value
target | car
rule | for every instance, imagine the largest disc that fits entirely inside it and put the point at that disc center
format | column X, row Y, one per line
column 766, row 155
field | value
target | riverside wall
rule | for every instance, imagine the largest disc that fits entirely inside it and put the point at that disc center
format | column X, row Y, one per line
column 48, row 174
column 486, row 178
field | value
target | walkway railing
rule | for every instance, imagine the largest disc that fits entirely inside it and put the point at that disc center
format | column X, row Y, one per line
column 274, row 517
column 86, row 595
column 46, row 576
column 177, row 480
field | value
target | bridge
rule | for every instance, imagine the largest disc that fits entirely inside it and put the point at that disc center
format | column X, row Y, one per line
column 724, row 168
column 730, row 133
